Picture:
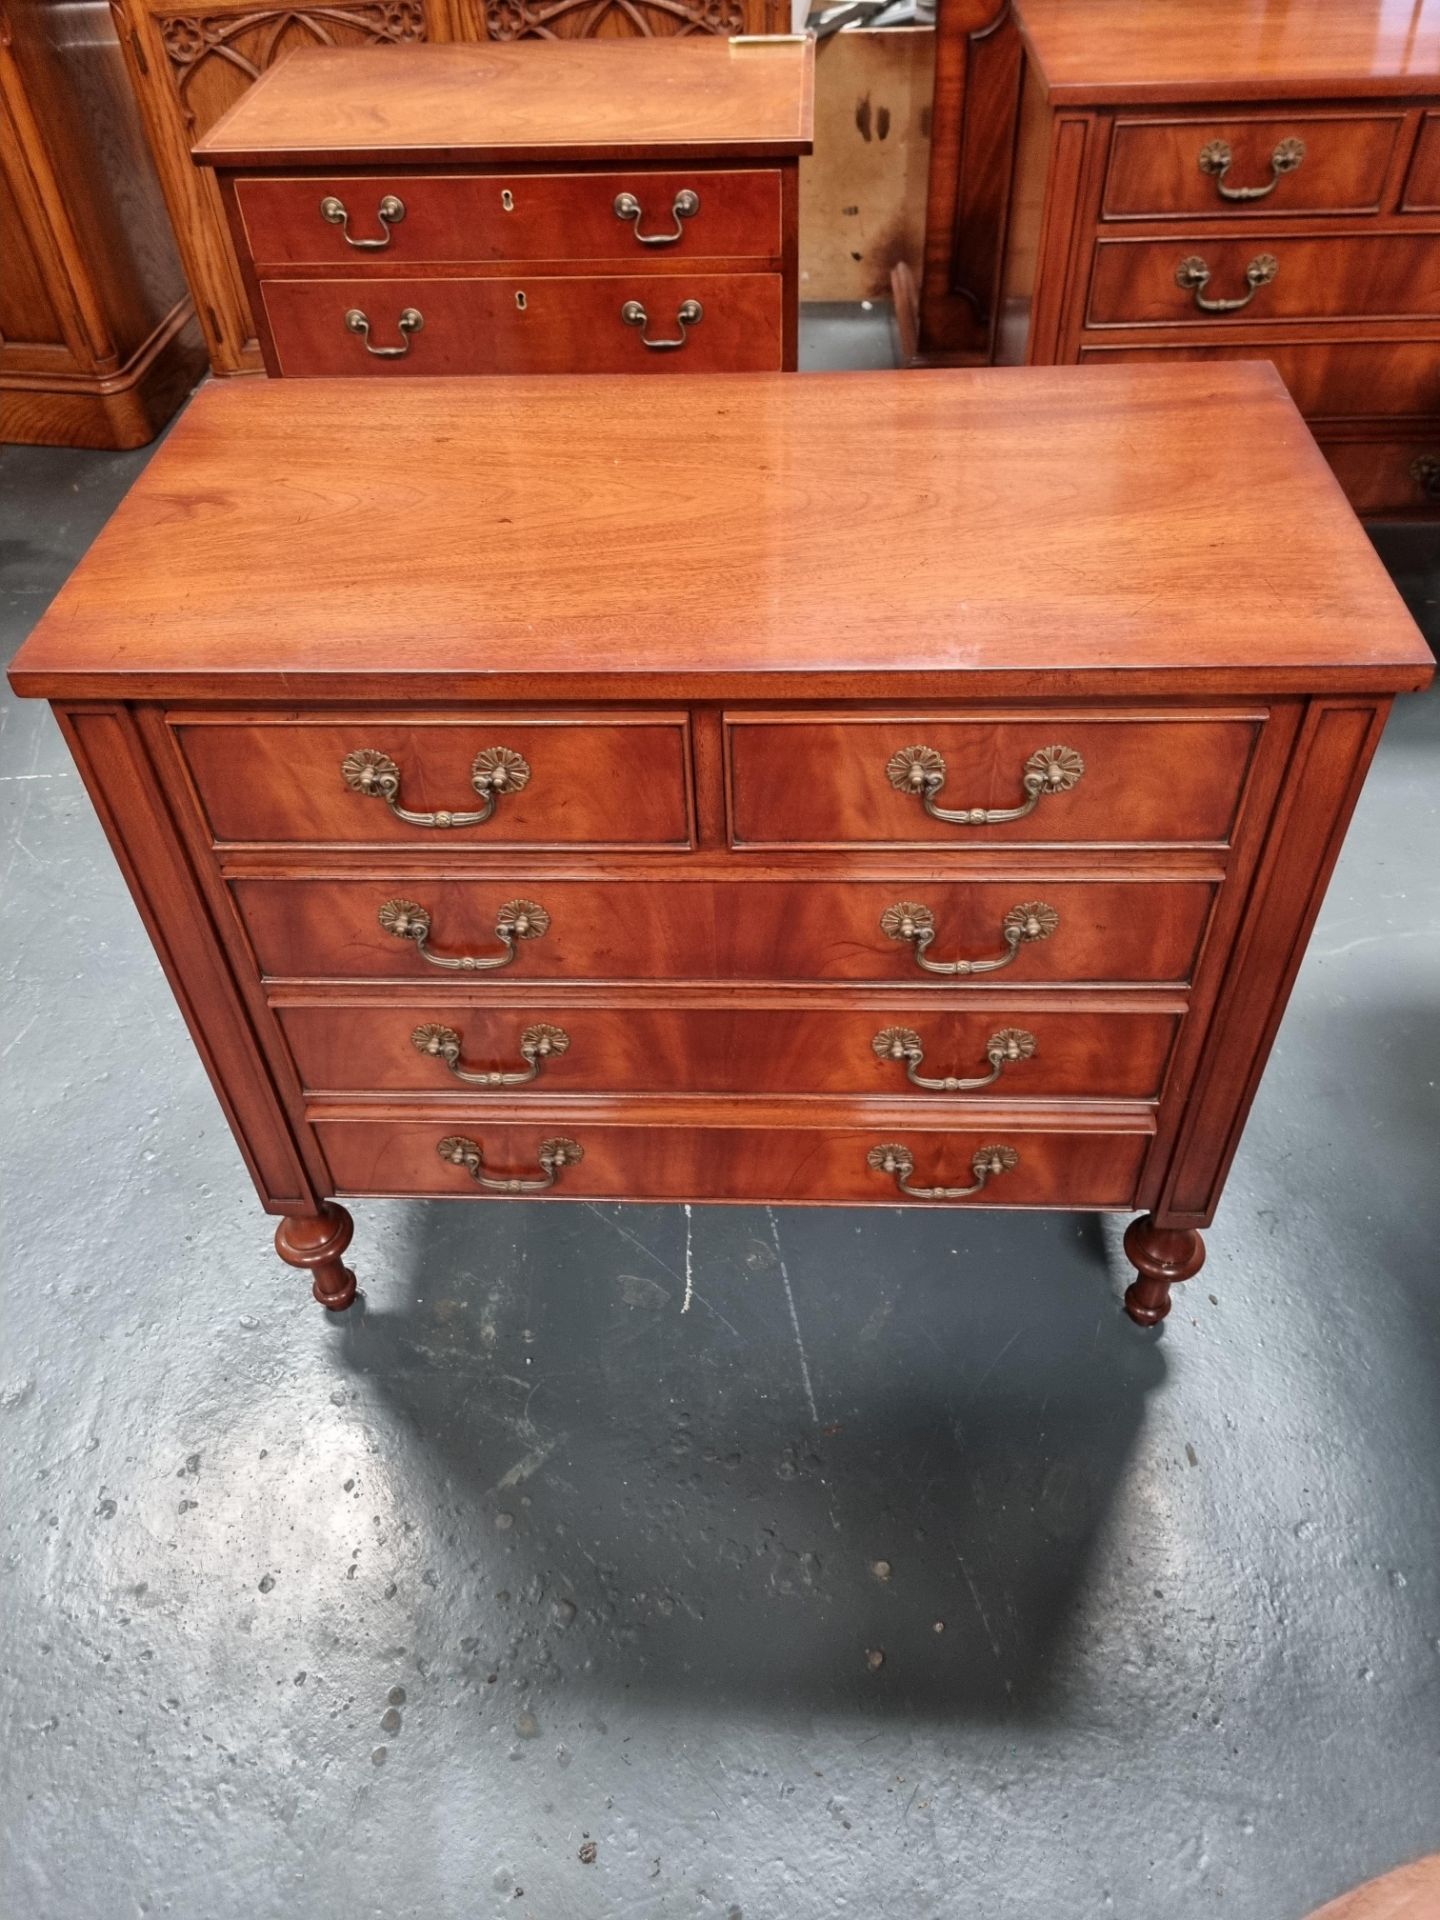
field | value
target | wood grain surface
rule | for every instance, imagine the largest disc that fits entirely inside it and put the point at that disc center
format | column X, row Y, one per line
column 634, row 534
column 556, row 99
column 1114, row 50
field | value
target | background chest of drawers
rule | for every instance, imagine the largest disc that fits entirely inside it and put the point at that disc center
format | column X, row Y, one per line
column 688, row 857
column 1176, row 182
column 597, row 206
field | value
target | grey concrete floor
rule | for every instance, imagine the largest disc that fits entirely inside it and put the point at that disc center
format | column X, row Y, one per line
column 394, row 1614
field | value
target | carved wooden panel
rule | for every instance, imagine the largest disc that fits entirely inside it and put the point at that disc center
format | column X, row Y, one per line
column 215, row 56
column 617, row 19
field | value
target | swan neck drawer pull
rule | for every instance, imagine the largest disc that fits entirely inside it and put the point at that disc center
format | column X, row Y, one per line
column 390, row 212
column 1193, row 274
column 494, row 770
column 921, row 771
column 554, row 1156
column 914, row 923
column 517, row 920
column 537, row 1045
column 1425, row 472
column 903, row 1043
column 986, row 1163
column 689, row 314
column 1216, row 159
column 410, row 322
column 684, row 206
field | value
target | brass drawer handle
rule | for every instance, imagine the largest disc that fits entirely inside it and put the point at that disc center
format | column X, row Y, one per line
column 554, row 1157
column 986, row 1163
column 1216, row 158
column 391, row 211
column 903, row 1043
column 493, row 771
column 537, row 1045
column 1193, row 274
column 684, row 206
column 516, row 920
column 921, row 771
column 1425, row 472
column 689, row 314
column 908, row 920
column 411, row 320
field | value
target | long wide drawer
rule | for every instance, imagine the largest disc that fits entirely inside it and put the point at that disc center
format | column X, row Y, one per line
column 419, row 218
column 1017, row 931
column 631, row 323
column 494, row 780
column 1301, row 163
column 1326, row 378
column 1263, row 276
column 1060, row 777
column 541, row 1046
column 1052, row 1167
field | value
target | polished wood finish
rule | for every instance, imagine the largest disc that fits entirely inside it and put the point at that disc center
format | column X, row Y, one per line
column 594, row 100
column 688, row 928
column 631, row 590
column 594, row 779
column 567, row 324
column 820, row 780
column 1144, row 135
column 1342, row 277
column 643, row 539
column 1108, row 50
column 98, row 342
column 316, row 1243
column 1162, row 1257
column 188, row 70
column 542, row 146
column 551, row 216
column 761, row 1159
column 1118, row 1051
column 1153, row 171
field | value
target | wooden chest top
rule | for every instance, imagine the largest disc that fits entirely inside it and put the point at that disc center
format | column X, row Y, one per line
column 546, row 100
column 1116, row 51
column 993, row 531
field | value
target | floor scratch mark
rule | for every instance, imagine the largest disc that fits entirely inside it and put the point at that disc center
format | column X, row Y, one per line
column 689, row 1258
column 794, row 1318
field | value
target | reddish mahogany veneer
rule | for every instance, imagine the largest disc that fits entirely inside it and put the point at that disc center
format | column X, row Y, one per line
column 707, row 710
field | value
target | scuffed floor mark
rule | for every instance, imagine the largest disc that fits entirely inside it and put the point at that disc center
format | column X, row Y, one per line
column 794, row 1317
column 527, row 1464
column 689, row 1258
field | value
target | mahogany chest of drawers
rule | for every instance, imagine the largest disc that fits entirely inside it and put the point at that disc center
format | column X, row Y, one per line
column 584, row 820
column 1219, row 182
column 577, row 206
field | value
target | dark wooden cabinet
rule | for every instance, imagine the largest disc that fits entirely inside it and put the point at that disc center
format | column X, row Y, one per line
column 98, row 341
column 1162, row 182
column 628, row 837
column 601, row 207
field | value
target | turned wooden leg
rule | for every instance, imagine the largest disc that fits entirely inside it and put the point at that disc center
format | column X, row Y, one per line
column 1161, row 1256
column 316, row 1241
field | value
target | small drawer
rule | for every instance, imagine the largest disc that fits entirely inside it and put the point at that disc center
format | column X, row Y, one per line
column 472, row 218
column 1222, row 166
column 1259, row 277
column 1400, row 477
column 538, row 1047
column 1326, row 380
column 844, row 1165
column 1061, row 778
column 477, row 781
column 1422, row 183
column 907, row 930
column 635, row 323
